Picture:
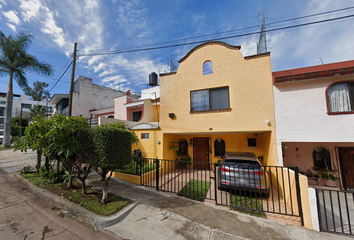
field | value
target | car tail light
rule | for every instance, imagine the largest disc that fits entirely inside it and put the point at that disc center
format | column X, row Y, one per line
column 225, row 182
column 224, row 169
column 259, row 173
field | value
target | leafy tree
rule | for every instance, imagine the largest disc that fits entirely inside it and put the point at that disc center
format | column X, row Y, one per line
column 15, row 125
column 112, row 150
column 37, row 110
column 38, row 92
column 84, row 156
column 35, row 138
column 121, row 125
column 14, row 61
column 61, row 140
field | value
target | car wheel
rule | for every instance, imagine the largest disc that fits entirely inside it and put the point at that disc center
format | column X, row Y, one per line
column 221, row 188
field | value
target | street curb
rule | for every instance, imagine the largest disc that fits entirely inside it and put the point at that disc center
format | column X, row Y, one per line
column 78, row 211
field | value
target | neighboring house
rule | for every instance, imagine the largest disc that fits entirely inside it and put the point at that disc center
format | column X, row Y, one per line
column 19, row 101
column 86, row 97
column 216, row 101
column 314, row 112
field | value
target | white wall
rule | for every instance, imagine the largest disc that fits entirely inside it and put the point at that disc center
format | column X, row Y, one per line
column 301, row 114
column 149, row 93
column 92, row 96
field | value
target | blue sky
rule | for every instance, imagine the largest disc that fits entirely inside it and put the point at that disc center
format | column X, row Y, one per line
column 99, row 26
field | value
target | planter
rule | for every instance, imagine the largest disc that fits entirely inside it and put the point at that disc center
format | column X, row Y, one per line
column 330, row 183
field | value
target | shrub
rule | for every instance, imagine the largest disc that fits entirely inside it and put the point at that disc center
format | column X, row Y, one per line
column 26, row 169
column 112, row 150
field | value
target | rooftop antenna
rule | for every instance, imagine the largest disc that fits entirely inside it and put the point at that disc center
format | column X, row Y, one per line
column 172, row 66
column 262, row 43
column 321, row 60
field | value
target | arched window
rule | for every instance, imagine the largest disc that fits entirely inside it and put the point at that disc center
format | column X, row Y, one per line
column 207, row 68
column 110, row 116
column 341, row 97
column 183, row 147
column 219, row 146
column 322, row 158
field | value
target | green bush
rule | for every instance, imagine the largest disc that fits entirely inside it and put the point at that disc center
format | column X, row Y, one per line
column 112, row 148
column 26, row 169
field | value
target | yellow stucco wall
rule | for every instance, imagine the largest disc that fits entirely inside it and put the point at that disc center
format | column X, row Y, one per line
column 250, row 94
column 149, row 147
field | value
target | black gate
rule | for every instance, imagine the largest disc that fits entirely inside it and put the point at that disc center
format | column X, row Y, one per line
column 273, row 189
column 335, row 211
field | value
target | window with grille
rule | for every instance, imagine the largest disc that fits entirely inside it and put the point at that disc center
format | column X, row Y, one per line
column 322, row 158
column 219, row 146
column 183, row 147
column 145, row 136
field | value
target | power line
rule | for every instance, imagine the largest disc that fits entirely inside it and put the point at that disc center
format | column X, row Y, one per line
column 61, row 76
column 211, row 34
column 216, row 39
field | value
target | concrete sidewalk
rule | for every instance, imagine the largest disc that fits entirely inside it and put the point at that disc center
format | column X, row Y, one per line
column 165, row 216
column 24, row 215
column 158, row 215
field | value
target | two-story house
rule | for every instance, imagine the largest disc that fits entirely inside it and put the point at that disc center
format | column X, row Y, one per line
column 314, row 109
column 216, row 101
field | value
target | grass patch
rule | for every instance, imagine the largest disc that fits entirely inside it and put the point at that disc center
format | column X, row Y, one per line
column 90, row 202
column 196, row 189
column 250, row 201
column 133, row 170
column 1, row 148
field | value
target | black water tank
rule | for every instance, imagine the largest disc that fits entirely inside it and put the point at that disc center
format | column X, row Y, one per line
column 153, row 79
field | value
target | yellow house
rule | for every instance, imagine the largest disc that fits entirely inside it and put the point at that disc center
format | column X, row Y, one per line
column 216, row 101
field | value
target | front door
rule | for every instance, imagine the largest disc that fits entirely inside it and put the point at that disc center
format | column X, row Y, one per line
column 346, row 157
column 201, row 153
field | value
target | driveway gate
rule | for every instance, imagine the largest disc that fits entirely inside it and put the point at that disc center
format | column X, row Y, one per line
column 201, row 181
column 335, row 211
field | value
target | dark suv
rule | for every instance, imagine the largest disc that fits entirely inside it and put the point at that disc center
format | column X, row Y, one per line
column 242, row 171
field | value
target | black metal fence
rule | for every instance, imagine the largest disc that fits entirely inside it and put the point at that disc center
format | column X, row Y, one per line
column 93, row 121
column 335, row 211
column 271, row 189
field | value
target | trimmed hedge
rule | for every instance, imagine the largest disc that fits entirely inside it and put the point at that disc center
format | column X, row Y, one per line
column 112, row 148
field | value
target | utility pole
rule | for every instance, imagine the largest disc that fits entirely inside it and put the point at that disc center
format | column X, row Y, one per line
column 72, row 81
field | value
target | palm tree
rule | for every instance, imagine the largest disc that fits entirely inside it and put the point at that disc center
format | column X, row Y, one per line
column 14, row 60
column 37, row 110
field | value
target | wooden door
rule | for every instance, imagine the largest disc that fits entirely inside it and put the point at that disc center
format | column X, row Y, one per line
column 346, row 158
column 201, row 153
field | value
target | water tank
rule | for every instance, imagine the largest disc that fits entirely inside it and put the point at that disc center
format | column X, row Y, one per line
column 153, row 79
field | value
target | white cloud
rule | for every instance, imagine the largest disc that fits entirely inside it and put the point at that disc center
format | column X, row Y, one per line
column 301, row 47
column 99, row 67
column 2, row 2
column 131, row 18
column 13, row 27
column 30, row 9
column 12, row 17
column 104, row 73
column 50, row 27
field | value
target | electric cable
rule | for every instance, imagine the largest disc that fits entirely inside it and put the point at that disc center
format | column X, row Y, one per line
column 211, row 34
column 217, row 39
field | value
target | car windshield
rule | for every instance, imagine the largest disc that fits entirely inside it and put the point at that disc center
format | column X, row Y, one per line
column 241, row 161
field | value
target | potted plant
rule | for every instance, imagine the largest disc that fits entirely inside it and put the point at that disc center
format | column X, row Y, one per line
column 329, row 176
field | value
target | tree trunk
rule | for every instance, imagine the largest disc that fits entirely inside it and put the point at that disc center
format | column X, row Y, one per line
column 104, row 192
column 46, row 164
column 58, row 165
column 39, row 160
column 70, row 170
column 6, row 142
column 83, row 183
